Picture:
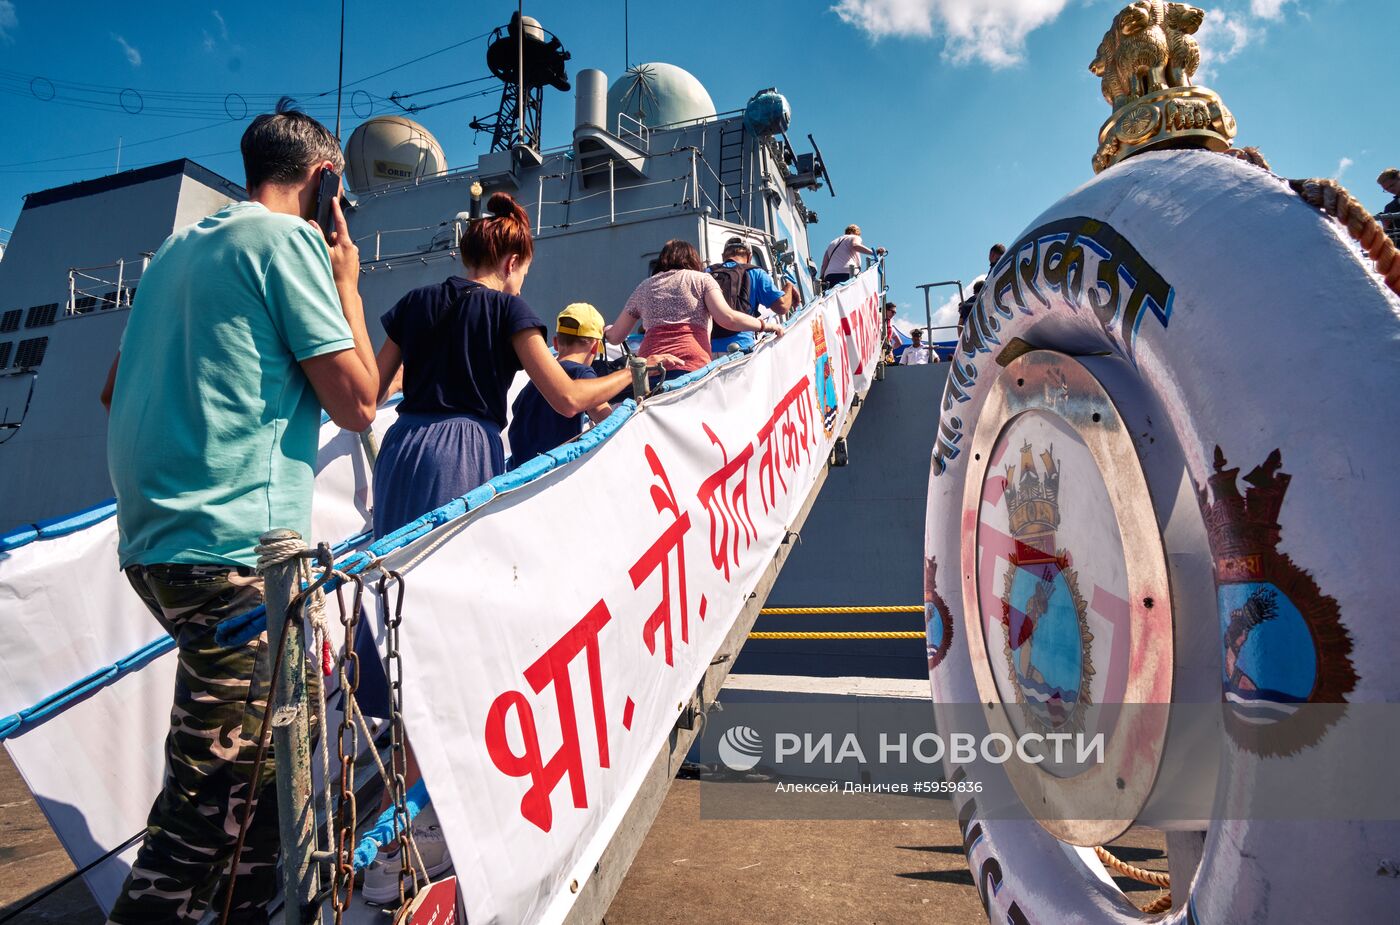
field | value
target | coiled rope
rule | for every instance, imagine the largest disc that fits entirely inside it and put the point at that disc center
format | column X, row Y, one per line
column 1155, row 878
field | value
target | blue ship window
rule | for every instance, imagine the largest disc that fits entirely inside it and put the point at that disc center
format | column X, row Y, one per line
column 41, row 315
column 5, row 354
column 31, row 352
column 10, row 321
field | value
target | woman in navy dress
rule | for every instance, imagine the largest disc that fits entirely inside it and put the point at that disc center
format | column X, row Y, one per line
column 460, row 343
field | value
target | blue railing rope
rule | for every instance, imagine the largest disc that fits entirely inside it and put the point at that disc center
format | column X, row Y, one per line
column 239, row 629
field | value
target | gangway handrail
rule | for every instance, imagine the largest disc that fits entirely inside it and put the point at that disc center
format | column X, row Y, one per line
column 245, row 626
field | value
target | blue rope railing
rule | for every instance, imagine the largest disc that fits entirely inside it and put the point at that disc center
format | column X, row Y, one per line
column 241, row 628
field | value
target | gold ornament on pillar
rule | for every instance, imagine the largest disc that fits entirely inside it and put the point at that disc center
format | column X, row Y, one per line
column 1146, row 61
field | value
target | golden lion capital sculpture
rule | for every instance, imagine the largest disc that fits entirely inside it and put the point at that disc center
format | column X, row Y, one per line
column 1146, row 62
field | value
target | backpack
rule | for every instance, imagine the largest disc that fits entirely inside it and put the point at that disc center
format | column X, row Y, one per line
column 734, row 283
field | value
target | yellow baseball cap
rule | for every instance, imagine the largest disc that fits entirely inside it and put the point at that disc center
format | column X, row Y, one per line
column 581, row 320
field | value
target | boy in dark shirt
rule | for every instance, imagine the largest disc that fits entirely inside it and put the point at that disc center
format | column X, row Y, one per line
column 535, row 427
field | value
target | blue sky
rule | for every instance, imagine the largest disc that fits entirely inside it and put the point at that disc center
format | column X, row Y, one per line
column 946, row 124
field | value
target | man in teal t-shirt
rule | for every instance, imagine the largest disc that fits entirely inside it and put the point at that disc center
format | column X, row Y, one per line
column 245, row 326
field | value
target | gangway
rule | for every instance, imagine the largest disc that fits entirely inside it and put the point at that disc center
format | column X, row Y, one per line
column 775, row 418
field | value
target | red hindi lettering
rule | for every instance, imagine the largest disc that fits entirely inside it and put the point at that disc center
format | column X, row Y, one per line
column 780, row 424
column 658, row 556
column 552, row 668
column 728, row 507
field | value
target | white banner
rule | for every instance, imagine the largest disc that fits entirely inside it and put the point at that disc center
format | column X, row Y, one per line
column 67, row 613
column 550, row 644
column 634, row 560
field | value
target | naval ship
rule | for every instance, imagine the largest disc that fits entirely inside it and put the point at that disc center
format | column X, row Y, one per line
column 1100, row 547
column 651, row 158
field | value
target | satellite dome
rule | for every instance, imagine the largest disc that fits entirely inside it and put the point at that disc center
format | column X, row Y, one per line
column 659, row 94
column 391, row 149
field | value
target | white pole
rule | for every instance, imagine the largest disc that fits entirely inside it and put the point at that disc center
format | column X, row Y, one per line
column 119, row 154
column 612, row 193
column 539, row 205
column 694, row 182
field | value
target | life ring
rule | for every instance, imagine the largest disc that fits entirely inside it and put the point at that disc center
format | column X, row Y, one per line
column 1158, row 419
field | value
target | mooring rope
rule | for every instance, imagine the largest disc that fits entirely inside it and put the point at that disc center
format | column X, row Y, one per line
column 1155, row 878
column 1332, row 199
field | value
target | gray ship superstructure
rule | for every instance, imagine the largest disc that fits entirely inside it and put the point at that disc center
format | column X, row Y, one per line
column 602, row 208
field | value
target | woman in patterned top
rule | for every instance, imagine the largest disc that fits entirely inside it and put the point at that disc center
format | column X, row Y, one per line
column 675, row 305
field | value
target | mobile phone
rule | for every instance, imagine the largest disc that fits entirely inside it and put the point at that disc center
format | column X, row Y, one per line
column 330, row 188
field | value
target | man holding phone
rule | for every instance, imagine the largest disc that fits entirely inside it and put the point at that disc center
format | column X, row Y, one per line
column 245, row 326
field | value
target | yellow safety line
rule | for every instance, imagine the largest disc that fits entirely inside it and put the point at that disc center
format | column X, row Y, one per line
column 893, row 635
column 794, row 611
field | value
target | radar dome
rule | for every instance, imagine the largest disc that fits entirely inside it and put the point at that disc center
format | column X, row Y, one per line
column 659, row 94
column 391, row 149
column 768, row 114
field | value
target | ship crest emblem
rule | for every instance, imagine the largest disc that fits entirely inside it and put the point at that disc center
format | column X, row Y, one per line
column 1048, row 642
column 938, row 620
column 1282, row 639
column 824, row 377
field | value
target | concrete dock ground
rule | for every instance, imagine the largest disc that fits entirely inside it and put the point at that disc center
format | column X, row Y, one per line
column 690, row 869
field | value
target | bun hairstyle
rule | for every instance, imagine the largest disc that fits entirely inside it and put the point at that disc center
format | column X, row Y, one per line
column 494, row 237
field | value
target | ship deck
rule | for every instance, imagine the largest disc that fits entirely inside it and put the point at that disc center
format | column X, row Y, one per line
column 690, row 868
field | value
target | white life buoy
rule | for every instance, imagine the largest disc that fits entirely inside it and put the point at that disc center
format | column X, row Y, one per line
column 1164, row 474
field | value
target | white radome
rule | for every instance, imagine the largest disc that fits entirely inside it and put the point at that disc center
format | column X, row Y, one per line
column 391, row 149
column 659, row 94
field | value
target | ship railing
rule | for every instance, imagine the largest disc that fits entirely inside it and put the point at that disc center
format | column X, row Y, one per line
column 445, row 235
column 694, row 195
column 104, row 287
column 730, row 203
column 634, row 132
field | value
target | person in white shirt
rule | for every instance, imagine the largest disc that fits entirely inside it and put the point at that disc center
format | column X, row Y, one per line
column 842, row 258
column 916, row 354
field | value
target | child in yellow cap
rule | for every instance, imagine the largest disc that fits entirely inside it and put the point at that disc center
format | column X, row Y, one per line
column 535, row 427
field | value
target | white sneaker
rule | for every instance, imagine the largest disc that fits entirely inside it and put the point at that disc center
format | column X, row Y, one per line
column 381, row 884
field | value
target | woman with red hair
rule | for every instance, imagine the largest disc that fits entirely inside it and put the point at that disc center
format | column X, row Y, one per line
column 460, row 343
column 675, row 304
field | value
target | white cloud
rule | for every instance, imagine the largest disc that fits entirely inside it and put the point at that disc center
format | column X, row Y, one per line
column 8, row 20
column 1342, row 166
column 1267, row 9
column 133, row 56
column 208, row 40
column 223, row 26
column 1221, row 36
column 991, row 31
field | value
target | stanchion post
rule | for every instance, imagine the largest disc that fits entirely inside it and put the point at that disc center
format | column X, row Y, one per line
column 290, row 736
column 638, row 367
column 370, row 443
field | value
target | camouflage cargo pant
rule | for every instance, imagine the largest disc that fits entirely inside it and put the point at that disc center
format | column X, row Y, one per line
column 215, row 724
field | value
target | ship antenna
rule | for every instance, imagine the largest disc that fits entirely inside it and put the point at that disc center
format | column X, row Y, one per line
column 340, row 71
column 626, row 36
column 520, row 67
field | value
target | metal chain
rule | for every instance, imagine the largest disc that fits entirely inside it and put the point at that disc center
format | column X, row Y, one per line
column 398, row 758
column 316, row 693
column 347, row 747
